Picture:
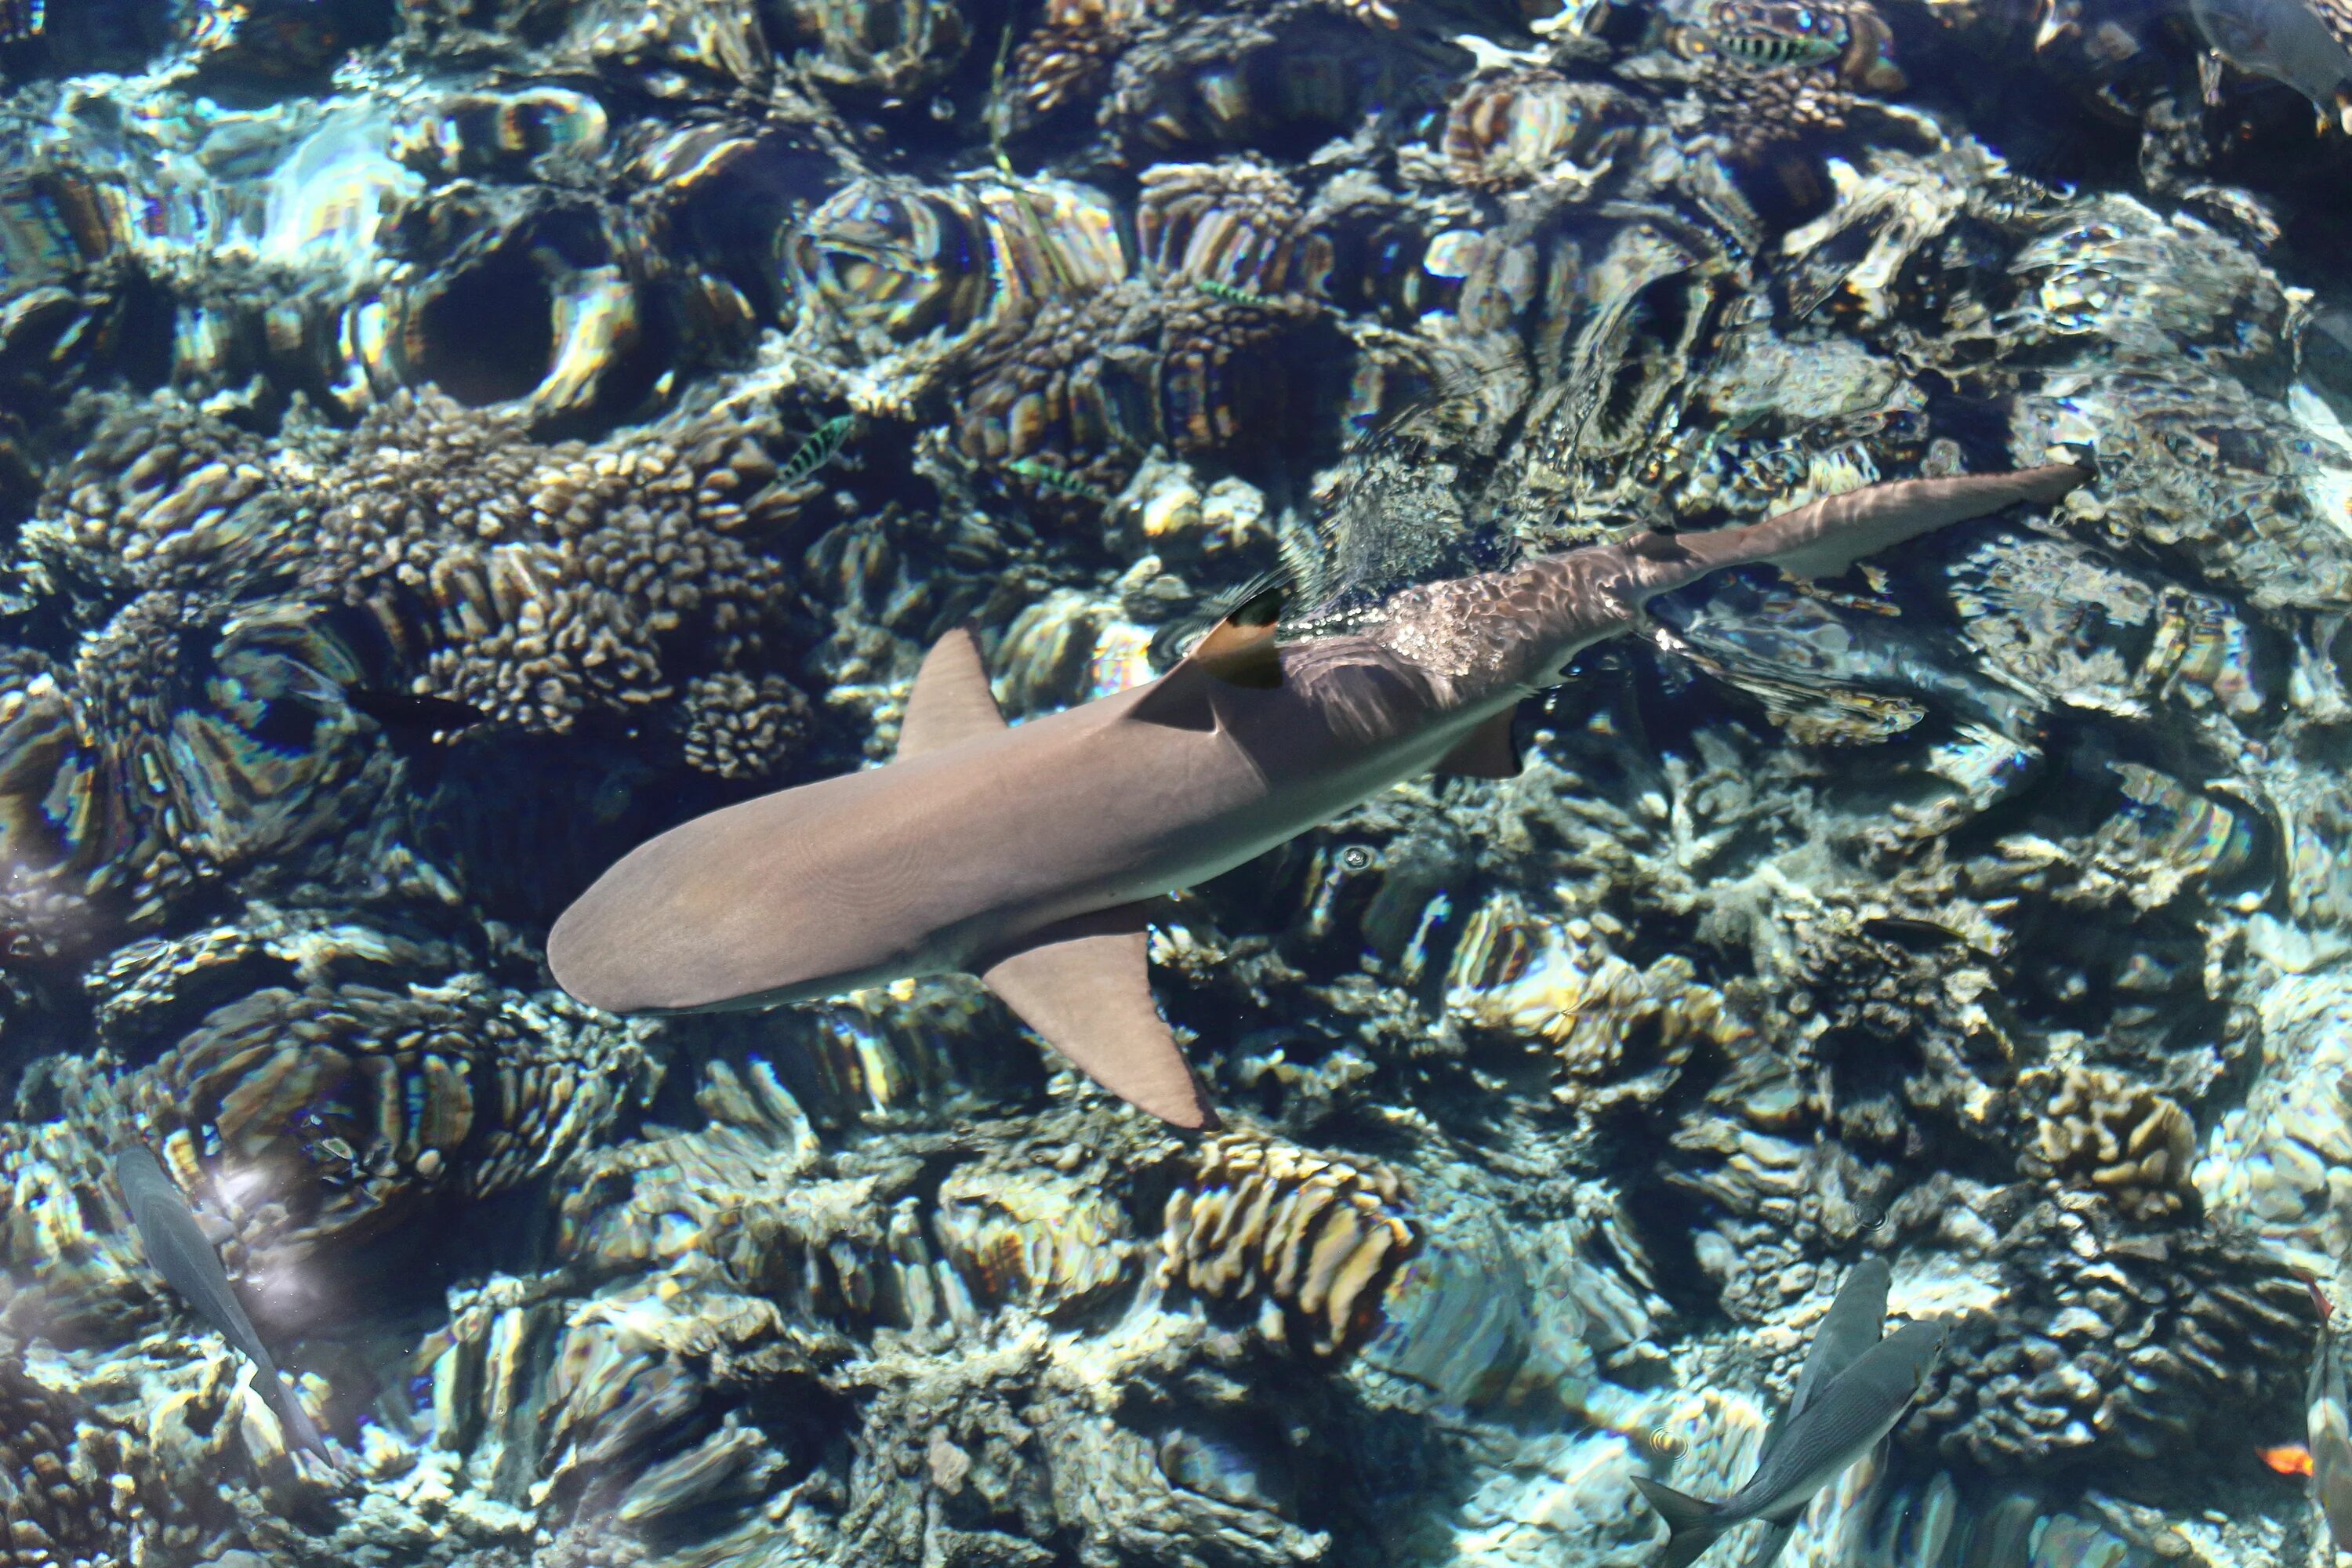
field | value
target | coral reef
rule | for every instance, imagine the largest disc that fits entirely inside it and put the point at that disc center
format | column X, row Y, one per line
column 331, row 1112
column 63, row 1464
column 1312, row 1240
column 441, row 445
column 2101, row 1130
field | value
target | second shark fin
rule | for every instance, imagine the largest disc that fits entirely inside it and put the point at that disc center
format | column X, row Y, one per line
column 950, row 700
column 1486, row 753
column 1239, row 650
column 1827, row 537
column 1084, row 984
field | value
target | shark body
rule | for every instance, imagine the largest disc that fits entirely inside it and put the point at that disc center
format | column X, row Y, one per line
column 1030, row 855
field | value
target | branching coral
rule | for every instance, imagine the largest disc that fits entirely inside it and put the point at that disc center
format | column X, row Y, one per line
column 533, row 582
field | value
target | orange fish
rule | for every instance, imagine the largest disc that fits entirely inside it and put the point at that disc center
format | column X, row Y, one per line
column 2287, row 1458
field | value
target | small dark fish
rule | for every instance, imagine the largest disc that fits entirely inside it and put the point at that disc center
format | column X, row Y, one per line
column 179, row 1251
column 1903, row 928
column 414, row 711
column 820, row 449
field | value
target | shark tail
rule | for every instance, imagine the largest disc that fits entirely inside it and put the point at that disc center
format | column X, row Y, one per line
column 1692, row 1525
column 1823, row 538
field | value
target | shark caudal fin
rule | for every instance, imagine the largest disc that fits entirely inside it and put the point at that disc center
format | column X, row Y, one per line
column 1691, row 1524
column 1826, row 538
column 1084, row 985
column 301, row 1432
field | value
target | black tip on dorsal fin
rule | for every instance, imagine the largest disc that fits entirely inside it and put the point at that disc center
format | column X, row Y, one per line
column 1264, row 606
column 1240, row 649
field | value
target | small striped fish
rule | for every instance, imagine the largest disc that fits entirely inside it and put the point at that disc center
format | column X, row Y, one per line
column 1047, row 477
column 820, row 449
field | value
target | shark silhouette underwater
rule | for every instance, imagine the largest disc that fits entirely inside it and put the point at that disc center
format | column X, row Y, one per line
column 1030, row 855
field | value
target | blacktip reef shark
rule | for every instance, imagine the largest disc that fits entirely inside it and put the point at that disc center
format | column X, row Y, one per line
column 179, row 1250
column 1030, row 855
column 1855, row 1387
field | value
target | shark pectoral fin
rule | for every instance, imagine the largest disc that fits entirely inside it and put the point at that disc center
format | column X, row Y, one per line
column 1856, row 1321
column 1084, row 984
column 950, row 700
column 1486, row 753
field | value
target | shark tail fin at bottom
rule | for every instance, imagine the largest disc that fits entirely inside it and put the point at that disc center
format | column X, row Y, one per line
column 1692, row 1525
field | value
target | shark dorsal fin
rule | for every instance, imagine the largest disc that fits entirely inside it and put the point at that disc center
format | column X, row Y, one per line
column 1486, row 753
column 950, row 700
column 1239, row 650
column 1084, row 985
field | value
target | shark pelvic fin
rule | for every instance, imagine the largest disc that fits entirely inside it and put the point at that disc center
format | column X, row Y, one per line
column 950, row 700
column 1084, row 985
column 1486, row 753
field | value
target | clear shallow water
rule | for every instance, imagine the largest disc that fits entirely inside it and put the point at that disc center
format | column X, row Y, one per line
column 442, row 447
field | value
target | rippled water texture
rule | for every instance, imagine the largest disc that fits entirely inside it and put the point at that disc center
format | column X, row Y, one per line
column 444, row 443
